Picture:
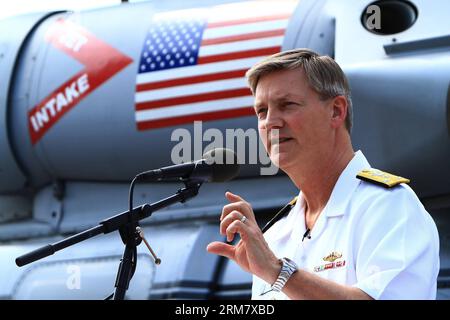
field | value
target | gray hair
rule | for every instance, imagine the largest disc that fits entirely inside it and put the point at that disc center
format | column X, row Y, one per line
column 323, row 75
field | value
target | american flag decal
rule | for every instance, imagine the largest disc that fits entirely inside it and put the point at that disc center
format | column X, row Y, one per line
column 193, row 62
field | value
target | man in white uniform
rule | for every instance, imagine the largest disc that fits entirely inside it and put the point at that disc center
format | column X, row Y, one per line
column 354, row 232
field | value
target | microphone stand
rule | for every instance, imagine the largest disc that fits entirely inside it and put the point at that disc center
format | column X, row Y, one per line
column 126, row 222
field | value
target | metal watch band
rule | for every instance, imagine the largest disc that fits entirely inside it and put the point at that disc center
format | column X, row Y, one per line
column 288, row 268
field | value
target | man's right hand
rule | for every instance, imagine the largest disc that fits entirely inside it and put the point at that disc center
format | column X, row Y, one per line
column 252, row 252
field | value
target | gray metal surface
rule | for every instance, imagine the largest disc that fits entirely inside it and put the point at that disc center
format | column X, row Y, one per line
column 313, row 27
column 88, row 270
column 86, row 204
column 13, row 33
column 409, row 138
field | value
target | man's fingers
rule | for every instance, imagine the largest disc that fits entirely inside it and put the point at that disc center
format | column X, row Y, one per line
column 221, row 248
column 228, row 208
column 237, row 203
column 237, row 226
column 232, row 197
column 234, row 215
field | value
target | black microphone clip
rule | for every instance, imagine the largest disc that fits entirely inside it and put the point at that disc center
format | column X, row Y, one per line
column 307, row 234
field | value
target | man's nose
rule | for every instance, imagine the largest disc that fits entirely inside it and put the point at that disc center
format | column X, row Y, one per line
column 273, row 119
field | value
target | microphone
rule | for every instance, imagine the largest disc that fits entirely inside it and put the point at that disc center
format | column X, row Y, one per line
column 307, row 234
column 217, row 165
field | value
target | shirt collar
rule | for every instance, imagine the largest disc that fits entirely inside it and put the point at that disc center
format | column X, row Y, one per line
column 345, row 186
column 336, row 205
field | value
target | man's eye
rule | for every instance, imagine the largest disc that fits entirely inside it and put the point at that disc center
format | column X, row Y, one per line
column 290, row 104
column 261, row 113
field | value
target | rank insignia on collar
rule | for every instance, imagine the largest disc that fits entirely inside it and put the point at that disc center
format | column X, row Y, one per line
column 332, row 256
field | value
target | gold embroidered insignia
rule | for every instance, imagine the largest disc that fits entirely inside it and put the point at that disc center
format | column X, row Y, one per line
column 333, row 256
column 381, row 178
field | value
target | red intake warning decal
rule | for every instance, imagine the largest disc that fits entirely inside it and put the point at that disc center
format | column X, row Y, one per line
column 101, row 62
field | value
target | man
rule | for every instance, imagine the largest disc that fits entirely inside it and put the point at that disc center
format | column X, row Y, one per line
column 345, row 237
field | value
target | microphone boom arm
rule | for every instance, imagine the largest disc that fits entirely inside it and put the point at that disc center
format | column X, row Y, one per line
column 112, row 224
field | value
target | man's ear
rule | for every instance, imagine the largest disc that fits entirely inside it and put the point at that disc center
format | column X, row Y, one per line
column 340, row 106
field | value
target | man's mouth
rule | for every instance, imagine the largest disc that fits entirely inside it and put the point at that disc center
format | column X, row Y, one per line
column 280, row 140
column 284, row 139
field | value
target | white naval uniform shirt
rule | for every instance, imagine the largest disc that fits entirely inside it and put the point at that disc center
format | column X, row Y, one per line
column 389, row 244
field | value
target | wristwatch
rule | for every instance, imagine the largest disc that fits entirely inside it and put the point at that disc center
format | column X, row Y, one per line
column 288, row 268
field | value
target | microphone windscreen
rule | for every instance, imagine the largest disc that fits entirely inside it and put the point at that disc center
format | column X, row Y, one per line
column 224, row 164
